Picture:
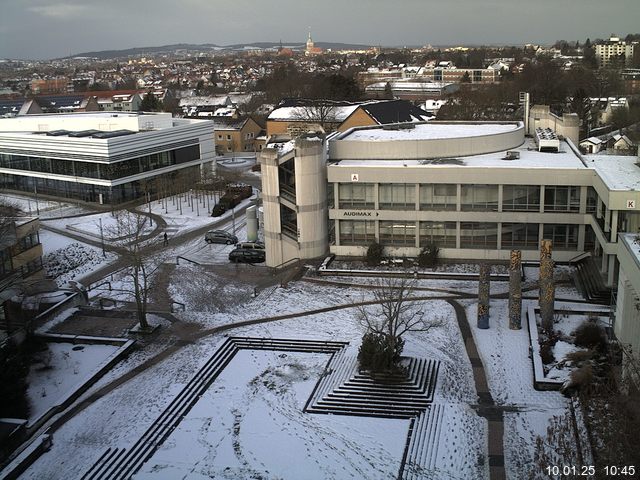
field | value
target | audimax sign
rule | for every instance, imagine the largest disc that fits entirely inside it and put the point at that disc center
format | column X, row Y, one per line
column 359, row 213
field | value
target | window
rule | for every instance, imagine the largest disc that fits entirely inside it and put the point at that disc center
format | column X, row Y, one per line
column 438, row 196
column 564, row 237
column 220, row 136
column 356, row 195
column 228, row 137
column 517, row 198
column 479, row 197
column 561, row 199
column 520, row 235
column 478, row 235
column 357, row 232
column 443, row 234
column 397, row 196
column 398, row 233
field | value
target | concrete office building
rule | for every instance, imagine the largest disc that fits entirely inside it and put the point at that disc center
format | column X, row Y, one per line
column 477, row 190
column 101, row 157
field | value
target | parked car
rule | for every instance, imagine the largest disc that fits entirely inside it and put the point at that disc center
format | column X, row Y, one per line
column 247, row 255
column 220, row 236
column 251, row 245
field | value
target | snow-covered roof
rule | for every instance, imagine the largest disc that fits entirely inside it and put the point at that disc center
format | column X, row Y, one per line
column 431, row 131
column 618, row 172
column 594, row 140
column 529, row 157
column 336, row 114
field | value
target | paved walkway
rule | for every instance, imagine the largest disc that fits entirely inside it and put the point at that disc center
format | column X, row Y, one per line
column 486, row 407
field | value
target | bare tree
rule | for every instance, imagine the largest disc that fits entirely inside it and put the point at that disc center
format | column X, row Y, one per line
column 394, row 315
column 130, row 243
column 320, row 113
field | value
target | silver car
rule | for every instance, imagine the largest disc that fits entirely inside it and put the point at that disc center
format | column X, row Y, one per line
column 220, row 236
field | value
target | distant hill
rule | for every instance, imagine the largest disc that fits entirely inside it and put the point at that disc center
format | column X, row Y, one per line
column 207, row 47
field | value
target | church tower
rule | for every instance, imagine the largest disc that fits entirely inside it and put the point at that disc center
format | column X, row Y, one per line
column 310, row 45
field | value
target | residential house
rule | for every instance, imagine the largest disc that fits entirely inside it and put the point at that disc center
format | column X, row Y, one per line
column 236, row 135
column 294, row 117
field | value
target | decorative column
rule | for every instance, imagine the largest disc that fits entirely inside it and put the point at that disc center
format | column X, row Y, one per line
column 547, row 287
column 483, row 295
column 515, row 290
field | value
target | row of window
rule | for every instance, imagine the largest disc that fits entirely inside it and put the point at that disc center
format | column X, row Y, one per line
column 94, row 193
column 472, row 234
column 110, row 171
column 472, row 197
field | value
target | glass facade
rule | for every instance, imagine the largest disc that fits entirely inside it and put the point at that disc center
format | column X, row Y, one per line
column 396, row 233
column 564, row 237
column 356, row 195
column 88, row 192
column 521, row 198
column 479, row 235
column 479, row 197
column 442, row 234
column 103, row 171
column 520, row 235
column 357, row 232
column 561, row 199
column 397, row 196
column 438, row 196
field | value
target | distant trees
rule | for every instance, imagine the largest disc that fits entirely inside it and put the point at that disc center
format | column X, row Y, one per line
column 287, row 81
column 150, row 103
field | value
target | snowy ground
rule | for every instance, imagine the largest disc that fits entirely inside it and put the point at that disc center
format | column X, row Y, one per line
column 61, row 369
column 250, row 424
column 336, row 446
column 505, row 355
column 186, row 215
column 243, row 426
column 74, row 261
column 41, row 207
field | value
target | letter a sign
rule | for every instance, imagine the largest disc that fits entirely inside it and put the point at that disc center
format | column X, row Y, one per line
column 354, row 177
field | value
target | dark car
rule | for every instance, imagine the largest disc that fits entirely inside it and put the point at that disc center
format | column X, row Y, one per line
column 220, row 236
column 246, row 255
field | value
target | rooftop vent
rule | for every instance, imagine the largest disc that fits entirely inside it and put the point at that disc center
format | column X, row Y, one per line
column 547, row 140
column 512, row 155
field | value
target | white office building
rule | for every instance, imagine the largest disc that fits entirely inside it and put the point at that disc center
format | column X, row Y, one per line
column 477, row 190
column 101, row 157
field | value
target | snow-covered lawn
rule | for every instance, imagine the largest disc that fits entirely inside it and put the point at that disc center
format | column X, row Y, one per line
column 505, row 355
column 61, row 369
column 74, row 261
column 182, row 217
column 250, row 424
column 250, row 420
column 41, row 207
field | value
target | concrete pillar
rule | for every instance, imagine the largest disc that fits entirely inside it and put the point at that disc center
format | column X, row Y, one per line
column 614, row 226
column 483, row 295
column 611, row 272
column 515, row 290
column 547, row 286
column 583, row 200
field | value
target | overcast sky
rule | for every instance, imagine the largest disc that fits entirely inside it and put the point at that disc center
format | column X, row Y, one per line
column 41, row 29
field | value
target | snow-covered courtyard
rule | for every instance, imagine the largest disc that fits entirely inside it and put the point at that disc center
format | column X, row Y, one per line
column 250, row 419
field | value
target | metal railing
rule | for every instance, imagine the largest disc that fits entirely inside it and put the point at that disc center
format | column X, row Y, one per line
column 185, row 258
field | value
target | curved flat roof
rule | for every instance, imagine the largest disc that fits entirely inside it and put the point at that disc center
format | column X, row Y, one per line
column 430, row 131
